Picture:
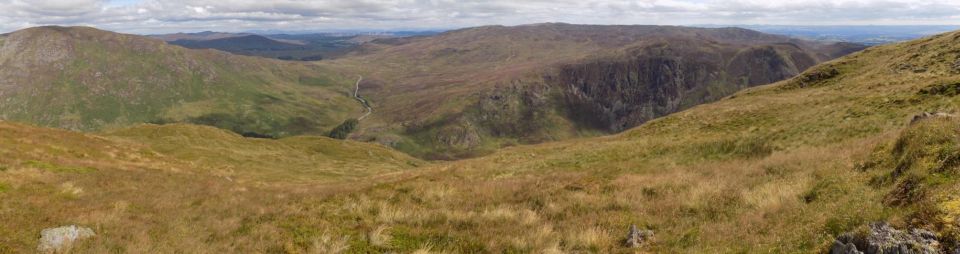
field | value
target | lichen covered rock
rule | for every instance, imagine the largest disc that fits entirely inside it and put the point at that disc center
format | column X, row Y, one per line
column 57, row 240
column 881, row 238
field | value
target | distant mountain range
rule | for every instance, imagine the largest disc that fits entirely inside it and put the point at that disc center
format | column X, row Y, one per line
column 201, row 36
column 283, row 46
column 868, row 35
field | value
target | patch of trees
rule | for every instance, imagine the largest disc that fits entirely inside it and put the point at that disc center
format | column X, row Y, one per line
column 344, row 129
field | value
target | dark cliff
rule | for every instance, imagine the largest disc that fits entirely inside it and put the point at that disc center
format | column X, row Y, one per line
column 656, row 80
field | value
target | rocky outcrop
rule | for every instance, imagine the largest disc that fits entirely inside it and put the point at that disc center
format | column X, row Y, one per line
column 928, row 115
column 881, row 238
column 514, row 111
column 460, row 135
column 636, row 238
column 615, row 92
column 61, row 239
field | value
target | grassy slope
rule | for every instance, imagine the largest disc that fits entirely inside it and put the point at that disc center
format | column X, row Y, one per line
column 171, row 187
column 770, row 169
column 86, row 79
column 780, row 168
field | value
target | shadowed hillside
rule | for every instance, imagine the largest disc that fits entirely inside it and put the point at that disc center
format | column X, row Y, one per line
column 300, row 47
column 467, row 92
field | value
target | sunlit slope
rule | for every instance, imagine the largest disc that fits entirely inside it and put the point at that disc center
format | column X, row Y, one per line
column 782, row 168
column 778, row 168
column 287, row 159
column 167, row 188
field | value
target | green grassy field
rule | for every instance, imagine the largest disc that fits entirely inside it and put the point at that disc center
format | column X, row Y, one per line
column 86, row 79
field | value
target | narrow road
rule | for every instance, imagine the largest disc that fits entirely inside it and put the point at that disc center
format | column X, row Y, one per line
column 356, row 95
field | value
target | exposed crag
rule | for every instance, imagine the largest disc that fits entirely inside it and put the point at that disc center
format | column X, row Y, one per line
column 496, row 86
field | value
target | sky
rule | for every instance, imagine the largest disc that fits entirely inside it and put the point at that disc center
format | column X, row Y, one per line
column 165, row 16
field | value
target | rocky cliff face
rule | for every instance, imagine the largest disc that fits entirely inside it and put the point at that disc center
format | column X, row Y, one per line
column 656, row 80
column 611, row 94
column 542, row 82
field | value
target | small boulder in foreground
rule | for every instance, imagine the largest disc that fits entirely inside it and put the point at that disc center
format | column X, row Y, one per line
column 636, row 237
column 59, row 240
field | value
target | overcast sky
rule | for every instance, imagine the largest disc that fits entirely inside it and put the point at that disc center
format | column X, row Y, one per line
column 162, row 16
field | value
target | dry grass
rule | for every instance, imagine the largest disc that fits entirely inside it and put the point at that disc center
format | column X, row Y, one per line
column 380, row 236
column 326, row 244
column 577, row 196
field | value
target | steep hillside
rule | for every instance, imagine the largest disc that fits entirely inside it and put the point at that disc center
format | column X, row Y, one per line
column 466, row 92
column 782, row 168
column 86, row 79
column 458, row 94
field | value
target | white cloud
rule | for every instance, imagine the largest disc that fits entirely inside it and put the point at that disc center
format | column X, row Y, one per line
column 155, row 16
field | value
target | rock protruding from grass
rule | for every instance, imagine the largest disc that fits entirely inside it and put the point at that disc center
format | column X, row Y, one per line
column 819, row 75
column 636, row 237
column 61, row 239
column 947, row 89
column 956, row 66
column 881, row 238
column 926, row 115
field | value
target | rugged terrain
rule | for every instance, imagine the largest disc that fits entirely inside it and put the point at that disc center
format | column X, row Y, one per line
column 86, row 79
column 459, row 94
column 467, row 92
column 782, row 168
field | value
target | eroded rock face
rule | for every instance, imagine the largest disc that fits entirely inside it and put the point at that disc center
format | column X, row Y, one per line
column 461, row 136
column 59, row 240
column 514, row 110
column 660, row 79
column 881, row 238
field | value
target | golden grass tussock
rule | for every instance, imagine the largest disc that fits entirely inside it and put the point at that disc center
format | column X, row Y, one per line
column 380, row 236
column 328, row 244
column 588, row 238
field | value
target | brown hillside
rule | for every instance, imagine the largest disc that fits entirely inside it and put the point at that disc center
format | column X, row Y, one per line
column 467, row 91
